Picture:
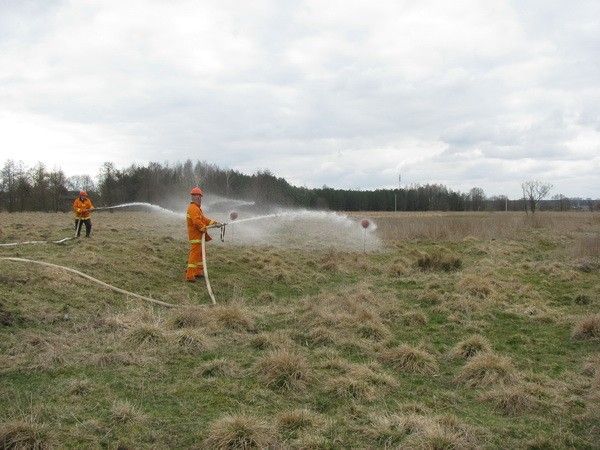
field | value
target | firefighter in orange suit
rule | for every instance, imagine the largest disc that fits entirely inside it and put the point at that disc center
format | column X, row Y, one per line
column 82, row 207
column 196, row 225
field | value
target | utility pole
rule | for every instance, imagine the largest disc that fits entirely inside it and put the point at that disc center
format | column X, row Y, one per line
column 395, row 194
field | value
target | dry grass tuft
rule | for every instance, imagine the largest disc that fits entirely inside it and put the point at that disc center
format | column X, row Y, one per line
column 284, row 369
column 510, row 400
column 239, row 432
column 418, row 431
column 233, row 317
column 296, row 419
column 487, row 369
column 470, row 347
column 220, row 367
column 587, row 329
column 79, row 387
column 192, row 342
column 350, row 387
column 124, row 412
column 23, row 434
column 270, row 340
column 266, row 297
column 414, row 318
column 438, row 260
column 406, row 358
column 186, row 317
column 475, row 285
column 144, row 334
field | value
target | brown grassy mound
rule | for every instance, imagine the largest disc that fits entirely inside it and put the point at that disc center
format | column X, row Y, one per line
column 20, row 434
column 220, row 367
column 470, row 347
column 587, row 328
column 186, row 317
column 487, row 369
column 124, row 412
column 510, row 400
column 283, row 369
column 233, row 317
column 418, row 431
column 410, row 359
column 475, row 285
column 144, row 334
column 295, row 419
column 191, row 341
column 239, row 432
column 438, row 260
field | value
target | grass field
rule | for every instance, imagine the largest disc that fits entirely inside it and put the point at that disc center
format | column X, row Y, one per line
column 458, row 331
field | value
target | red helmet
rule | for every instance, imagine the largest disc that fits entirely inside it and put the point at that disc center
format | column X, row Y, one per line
column 196, row 191
column 83, row 194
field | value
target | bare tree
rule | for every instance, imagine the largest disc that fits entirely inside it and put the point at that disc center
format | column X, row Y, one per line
column 533, row 192
column 477, row 197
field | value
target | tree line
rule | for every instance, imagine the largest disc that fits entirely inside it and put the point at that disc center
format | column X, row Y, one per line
column 40, row 189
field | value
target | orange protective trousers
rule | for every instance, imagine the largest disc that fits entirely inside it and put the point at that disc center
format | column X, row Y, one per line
column 196, row 223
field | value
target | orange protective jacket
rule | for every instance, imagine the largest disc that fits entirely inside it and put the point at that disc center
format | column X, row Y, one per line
column 196, row 223
column 81, row 208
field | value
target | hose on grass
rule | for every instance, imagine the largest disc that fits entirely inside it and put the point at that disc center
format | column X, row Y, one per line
column 60, row 241
column 88, row 277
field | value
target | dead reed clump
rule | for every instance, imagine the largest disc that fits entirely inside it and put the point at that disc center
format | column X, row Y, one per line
column 123, row 411
column 475, row 285
column 588, row 246
column 239, row 432
column 406, row 358
column 220, row 367
column 510, row 400
column 145, row 335
column 470, row 347
column 284, row 369
column 23, row 434
column 487, row 369
column 438, row 260
column 587, row 329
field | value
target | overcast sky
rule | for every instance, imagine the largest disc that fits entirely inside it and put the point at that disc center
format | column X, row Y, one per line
column 344, row 93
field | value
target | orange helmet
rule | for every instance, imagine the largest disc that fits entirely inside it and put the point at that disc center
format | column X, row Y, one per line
column 196, row 191
column 83, row 194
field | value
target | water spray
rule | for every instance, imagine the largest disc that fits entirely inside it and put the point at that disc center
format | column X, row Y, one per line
column 365, row 224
